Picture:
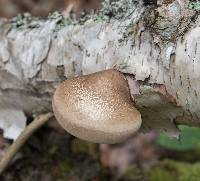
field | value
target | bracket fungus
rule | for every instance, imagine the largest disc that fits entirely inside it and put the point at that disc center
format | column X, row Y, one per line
column 97, row 107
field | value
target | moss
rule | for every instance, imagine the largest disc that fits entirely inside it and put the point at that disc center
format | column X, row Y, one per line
column 158, row 174
column 192, row 155
column 133, row 173
column 80, row 146
column 167, row 170
column 65, row 166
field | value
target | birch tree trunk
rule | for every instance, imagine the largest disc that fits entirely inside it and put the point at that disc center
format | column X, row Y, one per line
column 156, row 46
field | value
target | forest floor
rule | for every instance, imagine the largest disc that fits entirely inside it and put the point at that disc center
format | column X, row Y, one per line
column 52, row 155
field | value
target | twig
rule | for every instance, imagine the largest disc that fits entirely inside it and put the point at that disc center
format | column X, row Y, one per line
column 22, row 138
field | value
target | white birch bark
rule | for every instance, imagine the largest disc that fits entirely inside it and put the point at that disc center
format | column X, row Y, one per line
column 159, row 46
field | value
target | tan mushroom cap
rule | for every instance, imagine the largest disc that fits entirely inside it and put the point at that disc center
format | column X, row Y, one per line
column 97, row 107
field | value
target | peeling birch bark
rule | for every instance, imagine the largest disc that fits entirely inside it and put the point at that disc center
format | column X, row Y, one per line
column 159, row 46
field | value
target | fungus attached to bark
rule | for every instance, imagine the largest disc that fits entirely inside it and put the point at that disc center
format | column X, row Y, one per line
column 97, row 107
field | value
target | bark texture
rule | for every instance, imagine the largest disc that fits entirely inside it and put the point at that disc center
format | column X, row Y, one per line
column 158, row 47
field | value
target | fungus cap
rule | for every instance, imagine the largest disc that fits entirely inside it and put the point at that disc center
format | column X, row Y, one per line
column 97, row 107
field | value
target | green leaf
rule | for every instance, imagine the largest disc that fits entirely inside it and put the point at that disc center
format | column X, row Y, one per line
column 189, row 139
